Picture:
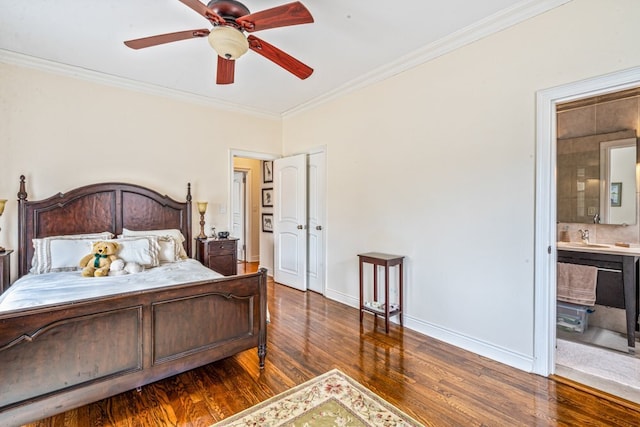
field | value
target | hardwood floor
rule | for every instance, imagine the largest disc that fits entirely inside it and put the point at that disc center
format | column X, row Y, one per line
column 436, row 383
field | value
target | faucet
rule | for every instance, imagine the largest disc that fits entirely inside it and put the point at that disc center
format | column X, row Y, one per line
column 596, row 218
column 584, row 235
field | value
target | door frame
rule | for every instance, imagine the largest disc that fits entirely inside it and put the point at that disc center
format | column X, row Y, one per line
column 256, row 155
column 246, row 218
column 545, row 247
column 270, row 156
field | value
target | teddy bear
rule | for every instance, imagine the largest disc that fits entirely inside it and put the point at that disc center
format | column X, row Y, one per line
column 98, row 262
column 119, row 268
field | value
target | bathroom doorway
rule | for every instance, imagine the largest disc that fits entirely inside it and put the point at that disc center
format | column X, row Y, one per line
column 592, row 345
column 550, row 104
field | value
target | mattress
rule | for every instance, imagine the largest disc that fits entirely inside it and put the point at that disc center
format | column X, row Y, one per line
column 34, row 290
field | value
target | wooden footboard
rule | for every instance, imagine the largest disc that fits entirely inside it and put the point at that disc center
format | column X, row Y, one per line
column 59, row 357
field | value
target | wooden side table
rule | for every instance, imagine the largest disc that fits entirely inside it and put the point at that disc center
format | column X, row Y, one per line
column 220, row 255
column 5, row 270
column 386, row 261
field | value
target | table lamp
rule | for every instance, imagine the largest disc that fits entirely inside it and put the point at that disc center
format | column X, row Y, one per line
column 202, row 208
column 2, row 203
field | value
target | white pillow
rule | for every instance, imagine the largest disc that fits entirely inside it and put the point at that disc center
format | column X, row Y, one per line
column 170, row 232
column 142, row 250
column 169, row 249
column 62, row 253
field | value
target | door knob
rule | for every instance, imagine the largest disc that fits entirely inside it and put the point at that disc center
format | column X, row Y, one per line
column 300, row 227
column 318, row 227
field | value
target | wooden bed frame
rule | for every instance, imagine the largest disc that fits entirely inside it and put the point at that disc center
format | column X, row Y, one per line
column 57, row 357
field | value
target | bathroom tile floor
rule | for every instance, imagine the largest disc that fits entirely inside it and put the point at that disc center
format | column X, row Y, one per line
column 600, row 358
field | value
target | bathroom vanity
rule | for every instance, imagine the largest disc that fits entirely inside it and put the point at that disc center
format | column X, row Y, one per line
column 617, row 284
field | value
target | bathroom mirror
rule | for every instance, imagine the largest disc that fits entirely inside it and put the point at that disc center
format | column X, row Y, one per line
column 596, row 179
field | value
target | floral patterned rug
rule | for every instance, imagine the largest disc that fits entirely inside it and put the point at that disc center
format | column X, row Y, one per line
column 332, row 399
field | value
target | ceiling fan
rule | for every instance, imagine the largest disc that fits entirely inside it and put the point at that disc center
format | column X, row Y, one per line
column 231, row 19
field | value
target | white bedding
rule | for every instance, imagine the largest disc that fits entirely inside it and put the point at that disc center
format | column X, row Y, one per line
column 41, row 289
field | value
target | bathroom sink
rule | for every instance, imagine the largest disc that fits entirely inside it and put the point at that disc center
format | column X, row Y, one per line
column 585, row 245
column 634, row 250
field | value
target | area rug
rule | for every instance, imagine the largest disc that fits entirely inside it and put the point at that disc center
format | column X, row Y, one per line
column 331, row 399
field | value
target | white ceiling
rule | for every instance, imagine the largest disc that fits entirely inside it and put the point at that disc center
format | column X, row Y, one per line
column 350, row 44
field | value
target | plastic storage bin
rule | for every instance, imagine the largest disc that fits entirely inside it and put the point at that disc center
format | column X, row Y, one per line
column 572, row 317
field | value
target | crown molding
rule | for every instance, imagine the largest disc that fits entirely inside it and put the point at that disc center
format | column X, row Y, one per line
column 504, row 19
column 14, row 58
column 493, row 24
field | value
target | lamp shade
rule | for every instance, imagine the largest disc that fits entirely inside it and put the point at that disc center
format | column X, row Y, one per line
column 228, row 42
column 2, row 203
column 202, row 207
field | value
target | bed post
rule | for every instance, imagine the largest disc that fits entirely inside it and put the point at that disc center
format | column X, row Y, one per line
column 262, row 335
column 189, row 230
column 22, row 243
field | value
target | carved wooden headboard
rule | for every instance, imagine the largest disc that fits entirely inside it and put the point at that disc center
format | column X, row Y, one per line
column 96, row 208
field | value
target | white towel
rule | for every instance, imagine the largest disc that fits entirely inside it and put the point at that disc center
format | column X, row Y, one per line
column 577, row 283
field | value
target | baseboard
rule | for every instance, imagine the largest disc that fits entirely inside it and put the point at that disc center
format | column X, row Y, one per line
column 491, row 351
column 483, row 348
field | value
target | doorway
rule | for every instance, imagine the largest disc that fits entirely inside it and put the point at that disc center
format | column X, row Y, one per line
column 546, row 206
column 596, row 191
column 244, row 201
column 260, row 240
column 239, row 217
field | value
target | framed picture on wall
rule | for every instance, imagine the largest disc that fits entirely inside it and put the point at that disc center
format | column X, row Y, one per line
column 267, row 171
column 267, row 197
column 267, row 223
column 616, row 194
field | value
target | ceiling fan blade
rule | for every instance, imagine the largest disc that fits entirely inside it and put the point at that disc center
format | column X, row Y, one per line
column 165, row 38
column 225, row 73
column 279, row 57
column 204, row 11
column 281, row 16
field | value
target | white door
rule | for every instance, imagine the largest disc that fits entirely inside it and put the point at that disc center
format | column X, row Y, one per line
column 290, row 221
column 315, row 212
column 238, row 216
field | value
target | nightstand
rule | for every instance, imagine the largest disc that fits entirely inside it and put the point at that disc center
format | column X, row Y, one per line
column 220, row 255
column 5, row 270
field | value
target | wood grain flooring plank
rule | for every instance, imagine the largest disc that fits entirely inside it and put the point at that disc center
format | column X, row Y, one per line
column 436, row 383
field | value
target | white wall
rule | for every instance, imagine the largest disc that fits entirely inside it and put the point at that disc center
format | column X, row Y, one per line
column 62, row 133
column 438, row 164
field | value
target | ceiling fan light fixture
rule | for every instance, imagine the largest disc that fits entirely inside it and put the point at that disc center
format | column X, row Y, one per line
column 228, row 42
